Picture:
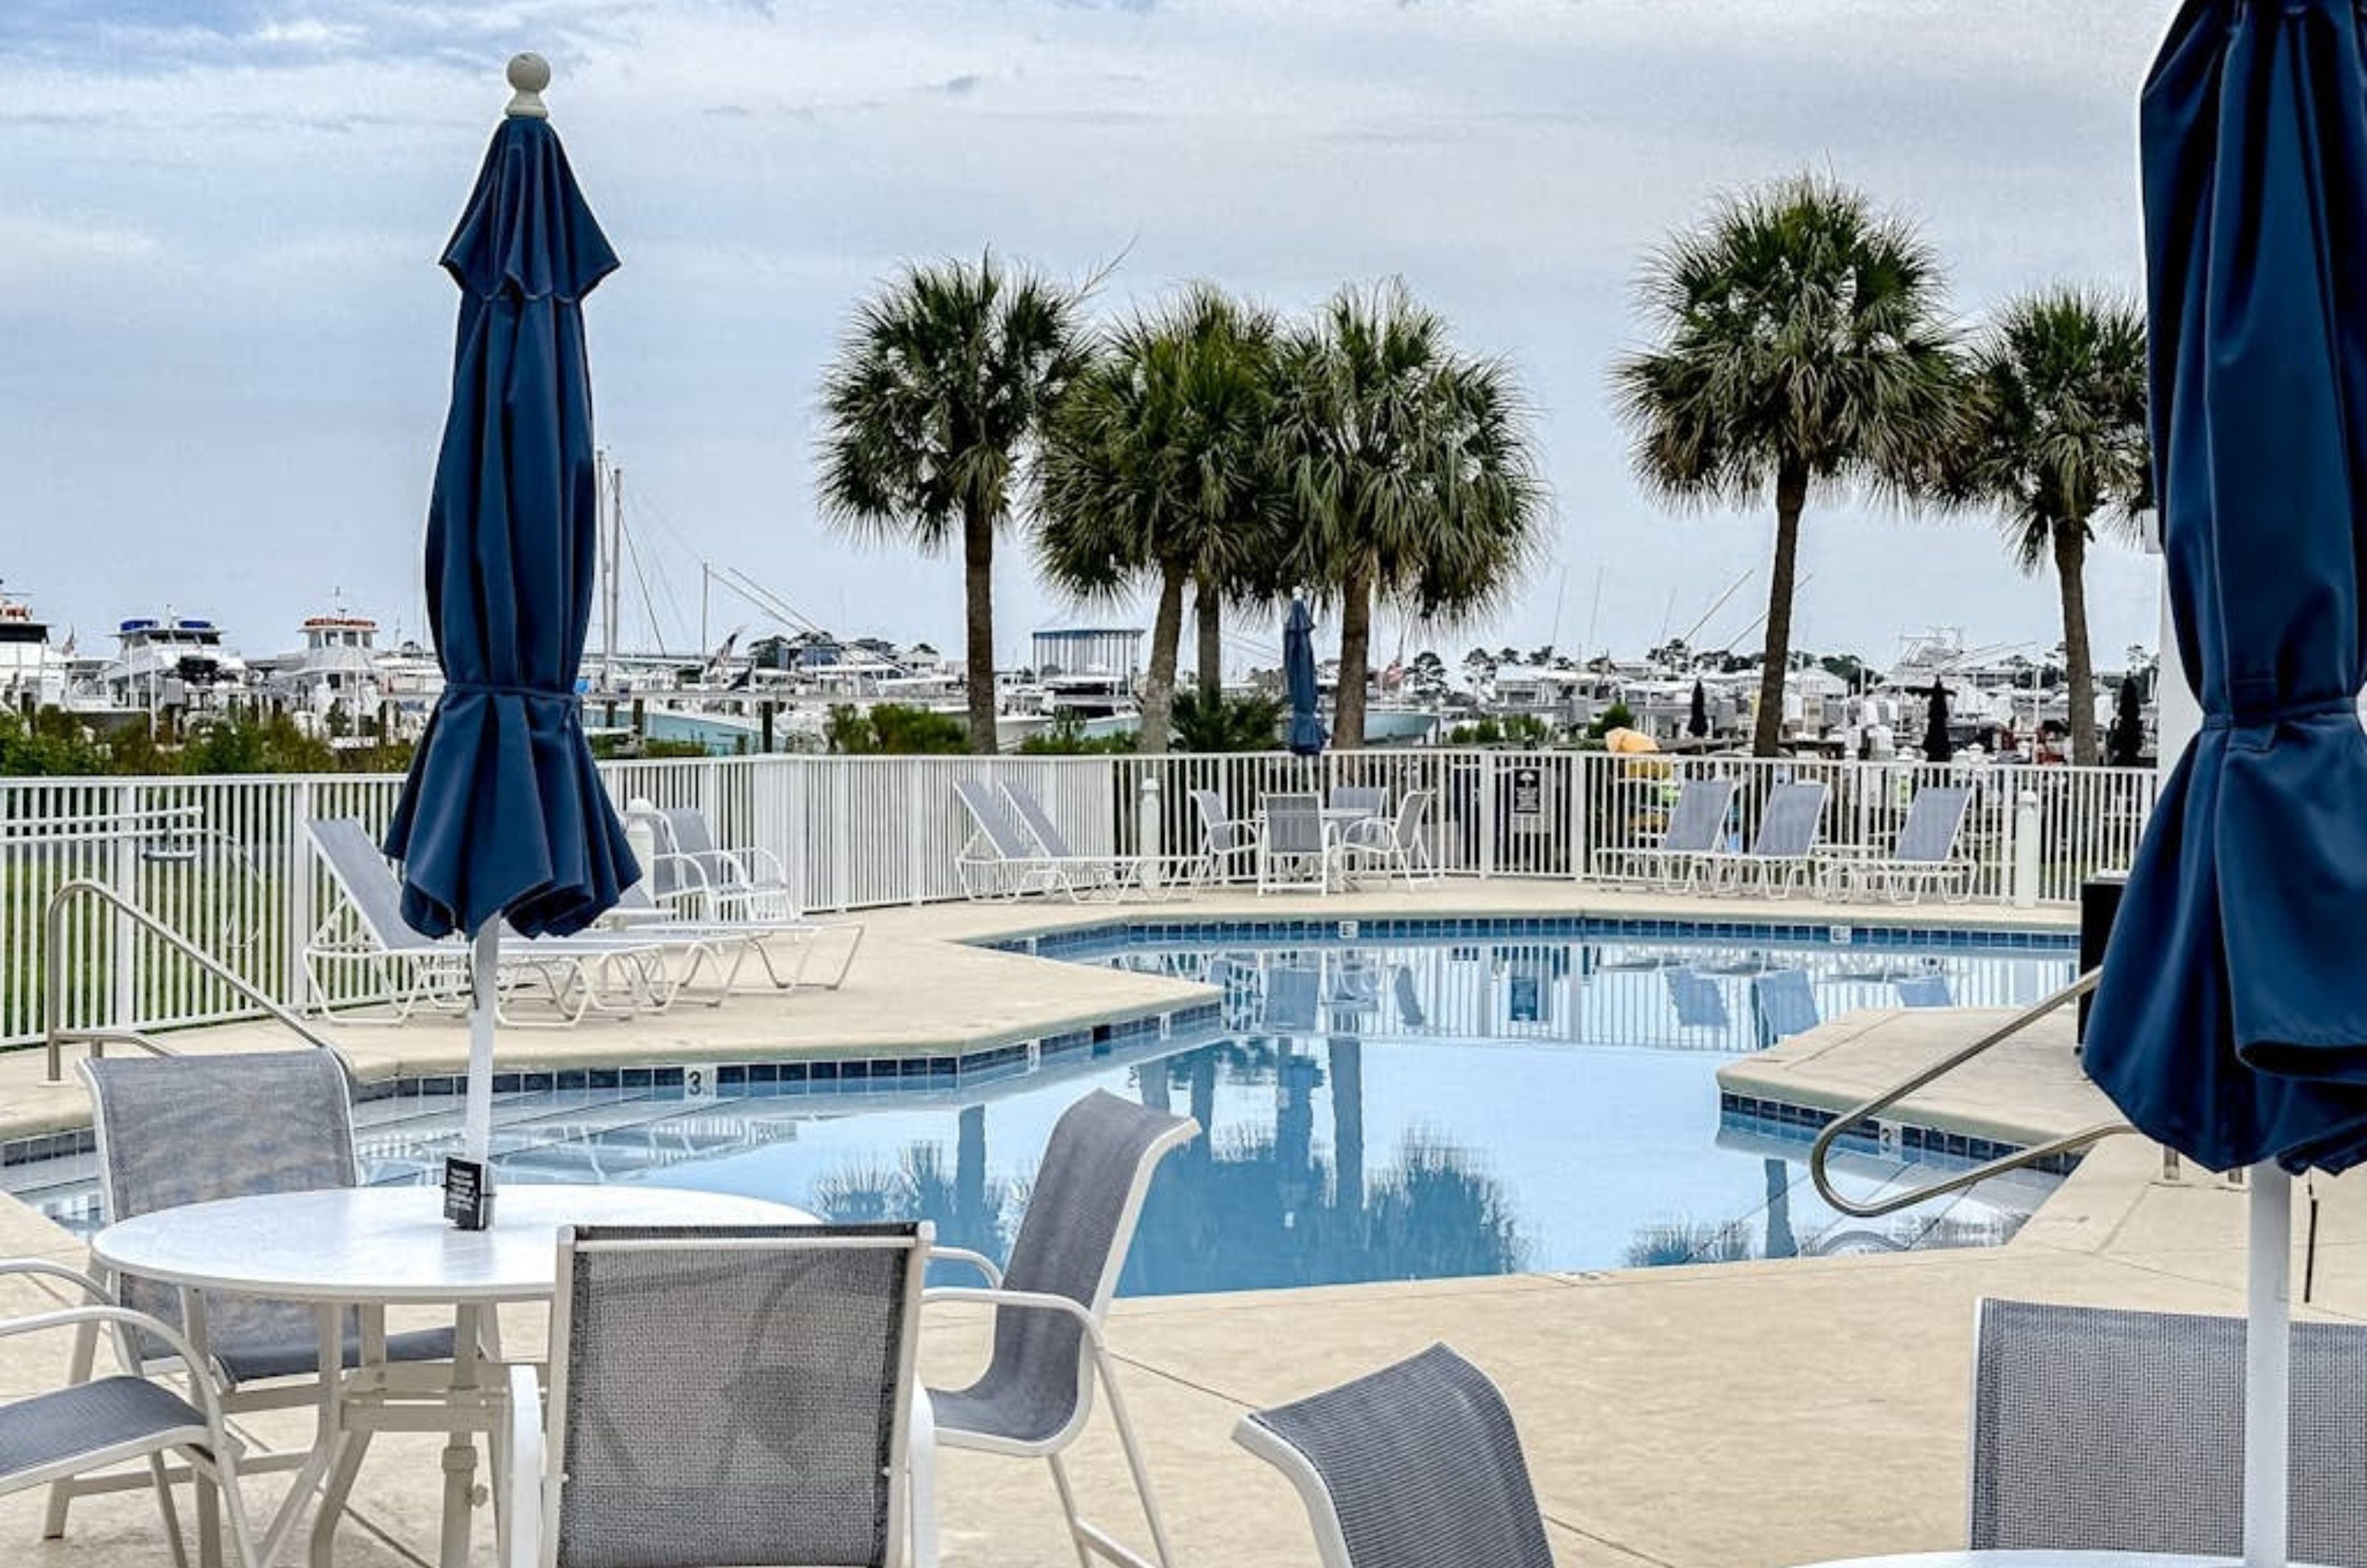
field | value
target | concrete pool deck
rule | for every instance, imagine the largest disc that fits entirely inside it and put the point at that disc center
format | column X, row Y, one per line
column 1729, row 1415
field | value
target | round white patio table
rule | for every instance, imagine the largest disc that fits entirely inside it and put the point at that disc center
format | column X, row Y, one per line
column 371, row 1247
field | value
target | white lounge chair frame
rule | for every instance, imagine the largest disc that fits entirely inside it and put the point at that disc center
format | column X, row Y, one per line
column 415, row 973
column 638, row 912
column 1694, row 835
column 1782, row 856
column 1923, row 856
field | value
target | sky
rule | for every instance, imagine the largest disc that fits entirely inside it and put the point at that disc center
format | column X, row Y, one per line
column 226, row 344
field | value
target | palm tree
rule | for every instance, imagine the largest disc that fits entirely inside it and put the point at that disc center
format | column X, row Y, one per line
column 1800, row 348
column 1156, row 467
column 1407, row 469
column 939, row 393
column 2056, row 443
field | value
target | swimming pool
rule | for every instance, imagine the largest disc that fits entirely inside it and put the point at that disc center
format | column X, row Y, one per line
column 1419, row 1102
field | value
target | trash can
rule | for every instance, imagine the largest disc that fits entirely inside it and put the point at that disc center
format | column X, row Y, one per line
column 2099, row 902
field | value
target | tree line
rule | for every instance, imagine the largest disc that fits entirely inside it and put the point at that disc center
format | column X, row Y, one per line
column 1218, row 455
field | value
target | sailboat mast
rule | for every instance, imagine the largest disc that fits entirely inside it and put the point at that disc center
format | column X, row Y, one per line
column 611, row 579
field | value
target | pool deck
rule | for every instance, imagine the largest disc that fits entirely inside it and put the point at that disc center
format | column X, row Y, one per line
column 1732, row 1416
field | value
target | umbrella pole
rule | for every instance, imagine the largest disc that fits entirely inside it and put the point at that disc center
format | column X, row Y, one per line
column 2267, row 1354
column 483, row 980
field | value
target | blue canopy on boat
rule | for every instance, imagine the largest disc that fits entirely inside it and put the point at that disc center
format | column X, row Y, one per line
column 1306, row 735
column 2231, row 1023
column 504, row 813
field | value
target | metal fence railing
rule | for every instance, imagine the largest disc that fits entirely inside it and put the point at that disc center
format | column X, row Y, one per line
column 224, row 861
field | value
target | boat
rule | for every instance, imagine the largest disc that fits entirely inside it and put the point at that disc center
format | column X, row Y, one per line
column 31, row 671
column 171, row 661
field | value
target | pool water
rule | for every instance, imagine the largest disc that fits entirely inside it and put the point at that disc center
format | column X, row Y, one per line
column 1411, row 1109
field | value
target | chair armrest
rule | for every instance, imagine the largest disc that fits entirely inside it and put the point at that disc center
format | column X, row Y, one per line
column 755, row 857
column 1035, row 1301
column 692, row 869
column 522, row 1484
column 97, row 1291
column 126, row 1322
column 978, row 1260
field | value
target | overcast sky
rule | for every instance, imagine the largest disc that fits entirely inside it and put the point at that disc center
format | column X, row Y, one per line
column 224, row 343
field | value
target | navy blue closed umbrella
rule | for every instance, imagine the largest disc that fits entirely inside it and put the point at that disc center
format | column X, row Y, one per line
column 1306, row 735
column 504, row 814
column 2231, row 1021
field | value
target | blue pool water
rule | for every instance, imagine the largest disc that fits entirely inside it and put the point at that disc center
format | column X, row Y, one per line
column 1414, row 1107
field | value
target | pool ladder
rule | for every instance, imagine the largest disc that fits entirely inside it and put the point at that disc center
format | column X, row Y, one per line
column 59, row 1034
column 1859, row 1118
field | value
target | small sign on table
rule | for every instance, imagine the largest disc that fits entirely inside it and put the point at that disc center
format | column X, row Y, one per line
column 468, row 1193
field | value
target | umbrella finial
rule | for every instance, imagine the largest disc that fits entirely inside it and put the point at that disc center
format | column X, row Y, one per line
column 529, row 74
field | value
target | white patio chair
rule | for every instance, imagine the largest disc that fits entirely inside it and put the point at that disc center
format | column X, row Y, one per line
column 1295, row 841
column 1782, row 856
column 2096, row 1429
column 178, row 1130
column 727, row 1395
column 1225, row 839
column 1399, row 845
column 1356, row 804
column 1050, row 1306
column 102, row 1423
column 1924, row 855
column 638, row 912
column 688, row 870
column 575, row 975
column 1417, row 1465
column 1696, row 830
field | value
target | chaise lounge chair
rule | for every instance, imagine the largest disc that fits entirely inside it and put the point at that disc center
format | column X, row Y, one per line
column 1924, row 857
column 1783, row 855
column 691, row 875
column 1001, row 860
column 1695, row 832
column 412, row 971
column 639, row 912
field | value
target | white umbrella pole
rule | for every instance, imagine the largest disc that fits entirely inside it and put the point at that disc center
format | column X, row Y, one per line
column 483, row 977
column 2268, row 1356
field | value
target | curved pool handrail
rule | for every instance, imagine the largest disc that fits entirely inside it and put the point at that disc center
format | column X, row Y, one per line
column 1820, row 1152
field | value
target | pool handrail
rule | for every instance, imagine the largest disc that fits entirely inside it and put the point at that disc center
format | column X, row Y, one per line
column 1847, row 1121
column 98, row 1039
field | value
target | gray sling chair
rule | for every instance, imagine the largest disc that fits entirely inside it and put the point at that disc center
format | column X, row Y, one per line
column 715, row 884
column 1924, row 857
column 1294, row 841
column 1695, row 830
column 1392, row 843
column 723, row 1396
column 411, row 972
column 1036, row 1393
column 104, row 1423
column 1782, row 855
column 176, row 1130
column 2101, row 1430
column 1414, row 1466
column 1225, row 840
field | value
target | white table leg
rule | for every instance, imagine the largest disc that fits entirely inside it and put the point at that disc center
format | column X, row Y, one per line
column 327, row 1437
column 461, row 1453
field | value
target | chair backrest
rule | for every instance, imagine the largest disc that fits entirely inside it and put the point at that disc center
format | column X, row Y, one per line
column 1365, row 798
column 1933, row 820
column 1294, row 997
column 1294, row 825
column 1786, row 1002
column 1072, row 1242
column 685, row 841
column 1412, row 807
column 1037, row 822
column 2096, row 1429
column 994, row 823
column 1699, row 1002
column 1697, row 823
column 1794, row 814
column 176, row 1130
column 734, row 1395
column 1924, row 991
column 1417, row 1465
column 1410, row 1014
column 1219, row 833
column 363, row 874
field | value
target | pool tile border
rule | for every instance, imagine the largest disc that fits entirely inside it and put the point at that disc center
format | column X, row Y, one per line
column 1782, row 1117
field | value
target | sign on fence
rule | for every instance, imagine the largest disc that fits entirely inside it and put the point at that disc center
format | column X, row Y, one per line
column 1528, row 790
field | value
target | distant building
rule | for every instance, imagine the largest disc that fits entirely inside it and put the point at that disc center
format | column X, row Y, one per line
column 1103, row 658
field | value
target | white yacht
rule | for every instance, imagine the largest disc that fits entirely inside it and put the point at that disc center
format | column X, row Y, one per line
column 171, row 661
column 30, row 669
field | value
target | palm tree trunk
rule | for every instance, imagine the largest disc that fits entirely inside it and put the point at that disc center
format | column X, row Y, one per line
column 1355, row 654
column 2079, row 663
column 978, row 588
column 1207, row 617
column 1158, row 686
column 1791, row 498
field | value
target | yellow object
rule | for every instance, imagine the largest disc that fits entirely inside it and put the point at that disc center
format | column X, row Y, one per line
column 1628, row 742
